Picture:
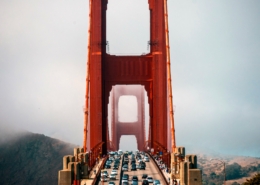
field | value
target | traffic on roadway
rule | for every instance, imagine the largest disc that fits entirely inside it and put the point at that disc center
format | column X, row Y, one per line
column 130, row 168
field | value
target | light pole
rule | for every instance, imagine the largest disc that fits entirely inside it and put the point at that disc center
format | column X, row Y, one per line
column 224, row 169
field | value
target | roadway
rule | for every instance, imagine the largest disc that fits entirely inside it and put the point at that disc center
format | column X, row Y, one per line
column 151, row 170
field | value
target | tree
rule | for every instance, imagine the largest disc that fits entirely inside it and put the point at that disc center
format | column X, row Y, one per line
column 213, row 175
column 233, row 171
column 253, row 181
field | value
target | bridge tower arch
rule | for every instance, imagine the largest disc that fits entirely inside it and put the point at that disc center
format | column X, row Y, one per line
column 136, row 128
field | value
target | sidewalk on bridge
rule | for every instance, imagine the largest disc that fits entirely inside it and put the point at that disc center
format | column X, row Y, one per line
column 92, row 175
column 166, row 175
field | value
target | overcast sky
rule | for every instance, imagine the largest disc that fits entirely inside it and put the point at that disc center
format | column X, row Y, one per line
column 215, row 51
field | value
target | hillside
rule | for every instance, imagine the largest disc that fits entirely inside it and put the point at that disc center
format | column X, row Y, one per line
column 31, row 159
column 238, row 168
column 36, row 159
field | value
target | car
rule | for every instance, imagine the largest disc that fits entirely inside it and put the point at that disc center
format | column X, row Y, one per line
column 149, row 179
column 104, row 178
column 135, row 178
column 145, row 182
column 125, row 168
column 142, row 163
column 156, row 182
column 111, row 153
column 141, row 167
column 139, row 160
column 125, row 183
column 133, row 168
column 124, row 179
column 114, row 172
column 115, row 167
column 117, row 161
column 107, row 166
column 146, row 159
column 111, row 183
column 108, row 162
column 104, row 173
column 126, row 176
column 144, row 176
column 112, row 177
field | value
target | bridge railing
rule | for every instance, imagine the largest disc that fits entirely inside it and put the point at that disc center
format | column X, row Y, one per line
column 158, row 168
column 95, row 180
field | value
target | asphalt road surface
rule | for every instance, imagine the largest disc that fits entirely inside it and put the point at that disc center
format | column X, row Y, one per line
column 150, row 170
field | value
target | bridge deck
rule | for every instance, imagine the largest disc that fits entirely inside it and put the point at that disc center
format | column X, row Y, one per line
column 151, row 170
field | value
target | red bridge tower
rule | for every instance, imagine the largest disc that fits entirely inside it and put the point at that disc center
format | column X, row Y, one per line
column 152, row 71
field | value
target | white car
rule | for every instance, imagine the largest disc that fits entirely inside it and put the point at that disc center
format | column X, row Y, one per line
column 139, row 160
column 125, row 168
column 124, row 180
column 112, row 177
column 146, row 159
column 114, row 172
column 104, row 173
column 149, row 179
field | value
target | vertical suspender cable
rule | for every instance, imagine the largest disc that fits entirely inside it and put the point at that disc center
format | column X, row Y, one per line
column 169, row 76
column 86, row 111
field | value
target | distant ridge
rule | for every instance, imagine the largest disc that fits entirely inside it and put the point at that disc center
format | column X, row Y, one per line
column 30, row 158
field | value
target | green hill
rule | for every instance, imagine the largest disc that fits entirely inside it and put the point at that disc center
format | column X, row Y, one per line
column 32, row 159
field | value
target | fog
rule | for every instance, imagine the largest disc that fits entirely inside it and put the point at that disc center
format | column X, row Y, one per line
column 214, row 58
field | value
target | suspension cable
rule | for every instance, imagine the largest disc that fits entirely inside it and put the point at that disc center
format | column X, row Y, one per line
column 86, row 111
column 169, row 76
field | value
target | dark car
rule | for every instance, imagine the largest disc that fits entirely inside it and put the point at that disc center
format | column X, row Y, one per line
column 133, row 168
column 144, row 176
column 142, row 163
column 127, row 176
column 145, row 182
column 141, row 167
column 115, row 167
column 135, row 178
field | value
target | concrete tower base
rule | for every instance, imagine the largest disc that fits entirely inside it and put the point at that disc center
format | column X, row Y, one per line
column 75, row 168
column 184, row 168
